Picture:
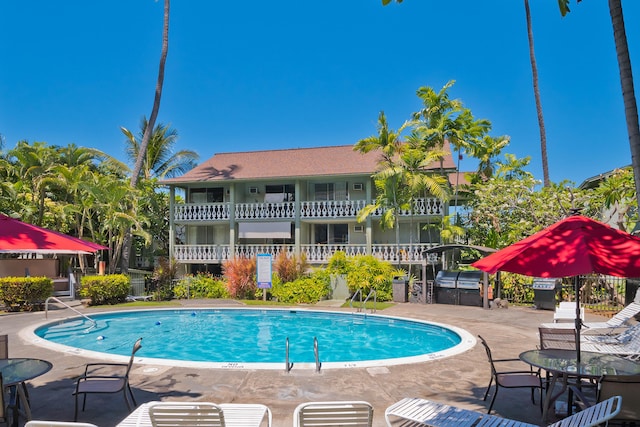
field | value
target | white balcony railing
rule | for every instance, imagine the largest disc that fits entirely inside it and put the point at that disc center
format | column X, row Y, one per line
column 319, row 209
column 315, row 254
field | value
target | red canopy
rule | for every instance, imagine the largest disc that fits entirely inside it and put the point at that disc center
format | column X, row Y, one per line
column 19, row 237
column 574, row 246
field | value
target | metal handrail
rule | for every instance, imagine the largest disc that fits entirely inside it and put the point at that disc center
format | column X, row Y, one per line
column 317, row 354
column 288, row 365
column 46, row 309
column 358, row 292
column 375, row 299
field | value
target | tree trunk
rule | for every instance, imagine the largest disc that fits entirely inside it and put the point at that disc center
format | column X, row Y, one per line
column 536, row 92
column 628, row 94
column 126, row 246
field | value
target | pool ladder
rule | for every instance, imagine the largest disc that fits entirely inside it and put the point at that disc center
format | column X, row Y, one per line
column 362, row 304
column 46, row 310
column 316, row 354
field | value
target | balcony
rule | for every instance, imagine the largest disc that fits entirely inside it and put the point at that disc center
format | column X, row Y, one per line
column 319, row 209
column 315, row 254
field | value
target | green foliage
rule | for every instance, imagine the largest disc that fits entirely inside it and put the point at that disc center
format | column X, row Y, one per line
column 240, row 274
column 339, row 263
column 162, row 279
column 24, row 293
column 365, row 272
column 201, row 285
column 107, row 289
column 305, row 290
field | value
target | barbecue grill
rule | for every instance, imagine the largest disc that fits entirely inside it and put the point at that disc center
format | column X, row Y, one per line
column 468, row 285
column 445, row 290
column 544, row 292
column 458, row 287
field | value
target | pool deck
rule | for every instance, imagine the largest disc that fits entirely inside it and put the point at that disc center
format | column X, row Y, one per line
column 459, row 380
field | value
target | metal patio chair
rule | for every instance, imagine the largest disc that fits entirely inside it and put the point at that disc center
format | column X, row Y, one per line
column 512, row 378
column 97, row 380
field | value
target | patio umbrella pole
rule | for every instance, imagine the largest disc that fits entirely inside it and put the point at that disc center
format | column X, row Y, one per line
column 576, row 284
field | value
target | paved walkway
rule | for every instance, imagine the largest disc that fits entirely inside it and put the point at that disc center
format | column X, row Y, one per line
column 459, row 380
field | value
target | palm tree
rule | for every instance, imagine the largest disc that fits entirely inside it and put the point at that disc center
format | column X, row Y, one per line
column 159, row 161
column 626, row 81
column 536, row 92
column 391, row 194
column 486, row 150
column 135, row 175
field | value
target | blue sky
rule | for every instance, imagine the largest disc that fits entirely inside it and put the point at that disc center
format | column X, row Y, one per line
column 255, row 74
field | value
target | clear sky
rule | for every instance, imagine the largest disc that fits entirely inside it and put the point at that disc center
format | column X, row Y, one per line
column 257, row 74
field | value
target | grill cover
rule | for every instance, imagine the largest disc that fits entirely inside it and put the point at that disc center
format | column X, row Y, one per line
column 546, row 284
column 469, row 279
column 446, row 279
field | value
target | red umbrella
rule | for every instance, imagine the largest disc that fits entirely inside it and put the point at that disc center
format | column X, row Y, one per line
column 575, row 246
column 19, row 237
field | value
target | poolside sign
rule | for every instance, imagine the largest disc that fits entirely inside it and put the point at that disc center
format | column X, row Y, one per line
column 263, row 267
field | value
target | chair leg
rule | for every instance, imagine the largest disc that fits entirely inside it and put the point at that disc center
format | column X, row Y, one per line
column 486, row 393
column 75, row 412
column 493, row 399
column 133, row 398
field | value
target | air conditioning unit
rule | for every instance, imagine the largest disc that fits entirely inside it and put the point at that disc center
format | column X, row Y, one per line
column 358, row 186
column 253, row 190
column 358, row 228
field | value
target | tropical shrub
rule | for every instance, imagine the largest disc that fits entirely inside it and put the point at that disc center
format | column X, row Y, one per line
column 165, row 272
column 369, row 273
column 305, row 290
column 106, row 289
column 201, row 285
column 24, row 293
column 240, row 274
column 290, row 268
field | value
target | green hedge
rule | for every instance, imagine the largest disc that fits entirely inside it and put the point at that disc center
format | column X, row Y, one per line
column 107, row 289
column 25, row 293
column 200, row 286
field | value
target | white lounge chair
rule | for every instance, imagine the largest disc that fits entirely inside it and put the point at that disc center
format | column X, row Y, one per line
column 202, row 414
column 624, row 337
column 429, row 413
column 325, row 414
column 174, row 414
column 42, row 423
column 620, row 320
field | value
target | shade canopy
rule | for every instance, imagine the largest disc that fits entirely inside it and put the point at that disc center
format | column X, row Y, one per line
column 574, row 246
column 19, row 237
column 264, row 230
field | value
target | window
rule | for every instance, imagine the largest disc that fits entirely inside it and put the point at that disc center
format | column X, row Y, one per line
column 331, row 233
column 324, row 191
column 207, row 195
column 287, row 191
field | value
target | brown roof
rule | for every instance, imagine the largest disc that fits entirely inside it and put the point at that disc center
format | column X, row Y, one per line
column 287, row 163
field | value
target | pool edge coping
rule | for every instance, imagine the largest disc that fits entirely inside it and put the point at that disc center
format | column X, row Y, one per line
column 467, row 342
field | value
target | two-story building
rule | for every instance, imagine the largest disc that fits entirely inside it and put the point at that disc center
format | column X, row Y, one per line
column 300, row 201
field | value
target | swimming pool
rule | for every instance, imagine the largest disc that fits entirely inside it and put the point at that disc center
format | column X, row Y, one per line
column 256, row 338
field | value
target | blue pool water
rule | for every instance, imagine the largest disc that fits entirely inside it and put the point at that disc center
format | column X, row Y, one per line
column 242, row 337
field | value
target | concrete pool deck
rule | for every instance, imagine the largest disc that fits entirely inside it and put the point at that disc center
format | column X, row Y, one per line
column 459, row 380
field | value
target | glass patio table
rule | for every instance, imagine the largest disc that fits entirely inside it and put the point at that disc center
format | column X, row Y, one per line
column 563, row 366
column 15, row 371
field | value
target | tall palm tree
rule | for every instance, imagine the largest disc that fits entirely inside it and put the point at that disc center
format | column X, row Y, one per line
column 626, row 81
column 159, row 161
column 536, row 92
column 135, row 175
column 390, row 193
